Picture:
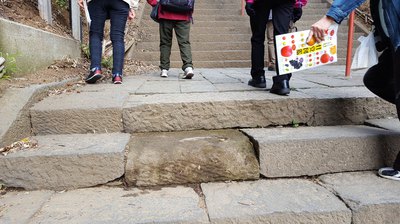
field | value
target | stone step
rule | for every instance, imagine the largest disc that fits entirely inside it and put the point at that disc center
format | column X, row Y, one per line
column 208, row 64
column 210, row 37
column 221, row 64
column 200, row 56
column 62, row 162
column 309, row 151
column 148, row 23
column 202, row 103
column 167, row 158
column 223, row 55
column 206, row 30
column 196, row 46
column 274, row 201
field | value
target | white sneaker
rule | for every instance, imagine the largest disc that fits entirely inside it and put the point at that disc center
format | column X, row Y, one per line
column 164, row 73
column 188, row 73
column 389, row 173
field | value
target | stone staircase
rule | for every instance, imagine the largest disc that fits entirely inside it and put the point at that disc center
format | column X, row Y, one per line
column 220, row 36
column 207, row 150
column 203, row 135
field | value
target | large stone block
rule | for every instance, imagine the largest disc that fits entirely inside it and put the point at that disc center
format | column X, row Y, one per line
column 372, row 199
column 66, row 162
column 274, row 201
column 286, row 152
column 391, row 153
column 79, row 113
column 190, row 157
column 176, row 112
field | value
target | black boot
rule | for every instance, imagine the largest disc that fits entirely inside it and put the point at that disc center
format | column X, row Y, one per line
column 258, row 82
column 280, row 85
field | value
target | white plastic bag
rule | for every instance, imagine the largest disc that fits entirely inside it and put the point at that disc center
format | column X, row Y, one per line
column 366, row 54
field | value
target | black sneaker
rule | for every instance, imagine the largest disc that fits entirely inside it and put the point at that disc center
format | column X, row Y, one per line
column 258, row 82
column 389, row 173
column 280, row 85
column 94, row 75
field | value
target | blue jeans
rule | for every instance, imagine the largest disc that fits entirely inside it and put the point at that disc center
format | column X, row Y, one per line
column 101, row 10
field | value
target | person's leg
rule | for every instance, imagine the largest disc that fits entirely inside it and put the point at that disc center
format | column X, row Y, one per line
column 182, row 32
column 166, row 27
column 282, row 13
column 396, row 72
column 271, row 46
column 118, row 11
column 258, row 24
column 98, row 15
column 379, row 78
column 393, row 173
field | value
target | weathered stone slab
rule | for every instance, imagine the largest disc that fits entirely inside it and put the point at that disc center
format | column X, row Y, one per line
column 19, row 207
column 79, row 113
column 116, row 205
column 392, row 125
column 372, row 199
column 15, row 121
column 285, row 152
column 66, row 162
column 176, row 112
column 190, row 157
column 273, row 201
column 347, row 105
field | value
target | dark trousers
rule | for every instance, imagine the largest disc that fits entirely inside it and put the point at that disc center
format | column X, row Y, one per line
column 182, row 32
column 383, row 79
column 101, row 10
column 282, row 11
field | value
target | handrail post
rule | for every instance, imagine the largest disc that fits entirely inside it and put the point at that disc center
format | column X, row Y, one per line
column 349, row 44
column 242, row 10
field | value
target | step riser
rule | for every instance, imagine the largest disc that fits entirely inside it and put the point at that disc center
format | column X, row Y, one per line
column 138, row 114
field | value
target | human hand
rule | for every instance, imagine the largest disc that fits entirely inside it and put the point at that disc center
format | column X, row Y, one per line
column 318, row 29
column 250, row 9
column 297, row 13
column 132, row 14
column 80, row 2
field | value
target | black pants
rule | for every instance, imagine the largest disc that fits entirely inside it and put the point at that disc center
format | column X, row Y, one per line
column 383, row 79
column 281, row 15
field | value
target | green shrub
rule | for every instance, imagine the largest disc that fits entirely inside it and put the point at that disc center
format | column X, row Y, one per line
column 10, row 66
column 62, row 3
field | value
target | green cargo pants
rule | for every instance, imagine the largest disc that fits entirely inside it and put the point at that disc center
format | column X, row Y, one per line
column 182, row 32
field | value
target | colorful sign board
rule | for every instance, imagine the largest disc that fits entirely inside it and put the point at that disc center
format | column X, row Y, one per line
column 296, row 54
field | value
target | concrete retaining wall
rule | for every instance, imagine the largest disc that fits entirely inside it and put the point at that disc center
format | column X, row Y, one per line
column 35, row 48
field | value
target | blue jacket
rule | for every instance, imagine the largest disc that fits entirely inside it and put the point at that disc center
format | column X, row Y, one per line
column 391, row 15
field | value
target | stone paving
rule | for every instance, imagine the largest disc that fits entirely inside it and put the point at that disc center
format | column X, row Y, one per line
column 356, row 198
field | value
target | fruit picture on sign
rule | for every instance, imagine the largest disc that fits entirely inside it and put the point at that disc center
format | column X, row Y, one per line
column 325, row 58
column 286, row 51
column 295, row 53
